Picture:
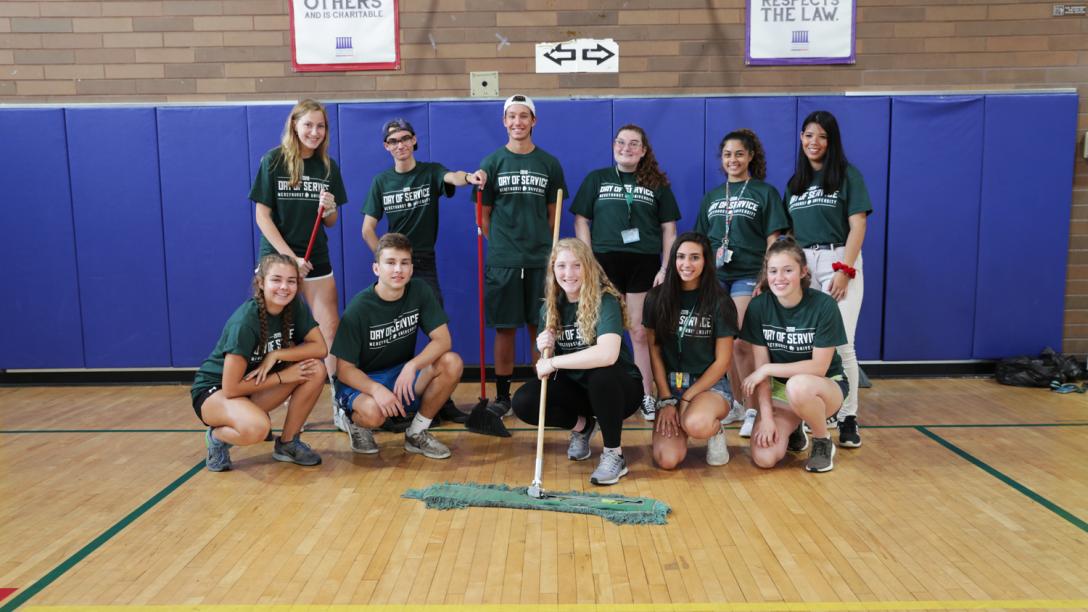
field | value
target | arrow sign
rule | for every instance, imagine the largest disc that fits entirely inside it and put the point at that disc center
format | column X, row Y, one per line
column 559, row 54
column 600, row 55
column 579, row 55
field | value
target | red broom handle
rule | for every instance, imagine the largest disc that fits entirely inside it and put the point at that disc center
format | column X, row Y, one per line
column 313, row 233
column 480, row 283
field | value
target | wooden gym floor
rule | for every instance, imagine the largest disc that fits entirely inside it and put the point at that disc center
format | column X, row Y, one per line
column 966, row 495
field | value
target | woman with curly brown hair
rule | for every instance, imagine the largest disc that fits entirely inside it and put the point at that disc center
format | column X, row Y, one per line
column 596, row 384
column 627, row 214
column 270, row 351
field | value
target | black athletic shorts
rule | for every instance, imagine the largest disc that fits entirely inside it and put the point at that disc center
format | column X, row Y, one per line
column 630, row 272
column 198, row 402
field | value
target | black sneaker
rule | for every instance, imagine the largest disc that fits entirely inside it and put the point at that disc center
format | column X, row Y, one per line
column 450, row 412
column 848, row 432
column 396, row 424
column 798, row 440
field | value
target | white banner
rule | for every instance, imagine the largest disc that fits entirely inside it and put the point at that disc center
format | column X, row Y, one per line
column 344, row 35
column 801, row 31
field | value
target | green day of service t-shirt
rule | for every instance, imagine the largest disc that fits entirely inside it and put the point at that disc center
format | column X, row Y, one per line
column 376, row 335
column 601, row 199
column 569, row 339
column 752, row 213
column 790, row 334
column 295, row 208
column 410, row 199
column 820, row 218
column 519, row 188
column 242, row 335
column 696, row 349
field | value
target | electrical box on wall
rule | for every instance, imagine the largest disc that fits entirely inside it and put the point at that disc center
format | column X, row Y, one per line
column 483, row 84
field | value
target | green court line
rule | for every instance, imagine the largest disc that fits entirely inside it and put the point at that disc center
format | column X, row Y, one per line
column 645, row 428
column 24, row 594
column 1032, row 495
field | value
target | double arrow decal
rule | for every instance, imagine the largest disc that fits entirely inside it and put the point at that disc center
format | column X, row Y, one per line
column 560, row 54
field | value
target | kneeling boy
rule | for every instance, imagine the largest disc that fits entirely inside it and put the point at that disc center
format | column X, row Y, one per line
column 378, row 375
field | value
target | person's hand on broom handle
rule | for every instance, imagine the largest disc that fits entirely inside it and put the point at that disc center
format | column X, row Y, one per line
column 545, row 345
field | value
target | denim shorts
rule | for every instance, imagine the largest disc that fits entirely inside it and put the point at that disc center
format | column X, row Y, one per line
column 345, row 394
column 721, row 388
column 739, row 287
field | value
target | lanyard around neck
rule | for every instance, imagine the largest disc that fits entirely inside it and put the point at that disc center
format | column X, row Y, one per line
column 729, row 208
column 692, row 316
column 626, row 194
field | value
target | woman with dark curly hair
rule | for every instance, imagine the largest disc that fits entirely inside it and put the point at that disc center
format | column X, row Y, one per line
column 627, row 214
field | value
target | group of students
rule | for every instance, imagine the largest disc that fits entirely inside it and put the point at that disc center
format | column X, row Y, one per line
column 750, row 317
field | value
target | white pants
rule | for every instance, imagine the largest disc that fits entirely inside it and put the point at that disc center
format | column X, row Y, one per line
column 819, row 265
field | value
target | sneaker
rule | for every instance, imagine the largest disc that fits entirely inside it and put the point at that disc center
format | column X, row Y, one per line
column 798, row 440
column 717, row 451
column 295, row 451
column 832, row 423
column 648, row 407
column 396, row 424
column 749, row 423
column 578, row 450
column 450, row 412
column 423, row 443
column 736, row 414
column 362, row 439
column 340, row 416
column 848, row 432
column 823, row 455
column 611, row 468
column 218, row 459
column 503, row 404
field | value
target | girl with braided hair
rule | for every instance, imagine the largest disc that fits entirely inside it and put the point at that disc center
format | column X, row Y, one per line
column 596, row 384
column 627, row 214
column 742, row 217
column 271, row 350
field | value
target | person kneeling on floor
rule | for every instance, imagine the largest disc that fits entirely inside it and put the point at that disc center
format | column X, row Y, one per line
column 378, row 375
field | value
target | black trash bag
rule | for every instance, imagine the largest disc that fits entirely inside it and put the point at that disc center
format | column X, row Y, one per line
column 1038, row 371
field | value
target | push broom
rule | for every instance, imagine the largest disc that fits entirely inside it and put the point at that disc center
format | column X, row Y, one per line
column 616, row 508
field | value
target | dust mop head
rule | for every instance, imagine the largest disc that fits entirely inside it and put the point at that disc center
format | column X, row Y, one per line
column 616, row 508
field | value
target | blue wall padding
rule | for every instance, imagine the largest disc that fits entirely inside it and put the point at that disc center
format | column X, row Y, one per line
column 265, row 127
column 676, row 130
column 114, row 165
column 864, row 123
column 933, row 217
column 206, row 223
column 1024, row 224
column 773, row 121
column 40, row 308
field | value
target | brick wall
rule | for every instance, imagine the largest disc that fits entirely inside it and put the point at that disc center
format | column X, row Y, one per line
column 220, row 50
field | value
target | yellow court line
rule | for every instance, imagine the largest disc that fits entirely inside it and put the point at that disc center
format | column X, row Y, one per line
column 1006, row 604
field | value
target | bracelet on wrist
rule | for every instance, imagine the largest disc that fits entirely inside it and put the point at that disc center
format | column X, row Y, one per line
column 279, row 378
column 838, row 266
column 668, row 401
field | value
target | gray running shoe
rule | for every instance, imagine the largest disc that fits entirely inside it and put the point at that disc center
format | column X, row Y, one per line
column 736, row 414
column 296, row 451
column 218, row 459
column 423, row 443
column 822, row 458
column 648, row 407
column 362, row 439
column 749, row 423
column 579, row 443
column 611, row 468
column 717, row 451
column 798, row 440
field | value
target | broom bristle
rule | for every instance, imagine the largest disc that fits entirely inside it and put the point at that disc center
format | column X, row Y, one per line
column 483, row 420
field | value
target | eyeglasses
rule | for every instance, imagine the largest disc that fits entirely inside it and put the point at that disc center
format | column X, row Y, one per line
column 402, row 140
column 627, row 144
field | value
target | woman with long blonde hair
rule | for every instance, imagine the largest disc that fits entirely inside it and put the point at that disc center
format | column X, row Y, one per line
column 596, row 384
column 297, row 181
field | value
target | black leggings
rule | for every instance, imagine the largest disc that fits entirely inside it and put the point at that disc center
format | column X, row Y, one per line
column 610, row 394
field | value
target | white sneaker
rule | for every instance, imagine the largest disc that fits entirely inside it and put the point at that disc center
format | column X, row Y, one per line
column 339, row 417
column 648, row 407
column 736, row 413
column 749, row 423
column 717, row 451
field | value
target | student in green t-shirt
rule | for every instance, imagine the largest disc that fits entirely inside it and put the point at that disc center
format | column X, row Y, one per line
column 595, row 383
column 798, row 377
column 828, row 206
column 408, row 195
column 691, row 323
column 519, row 202
column 741, row 217
column 270, row 351
column 380, row 375
column 295, row 182
column 627, row 213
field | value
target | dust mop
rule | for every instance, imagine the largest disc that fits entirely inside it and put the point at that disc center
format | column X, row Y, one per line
column 616, row 508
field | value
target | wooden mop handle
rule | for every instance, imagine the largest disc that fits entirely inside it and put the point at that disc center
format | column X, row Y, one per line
column 538, row 474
